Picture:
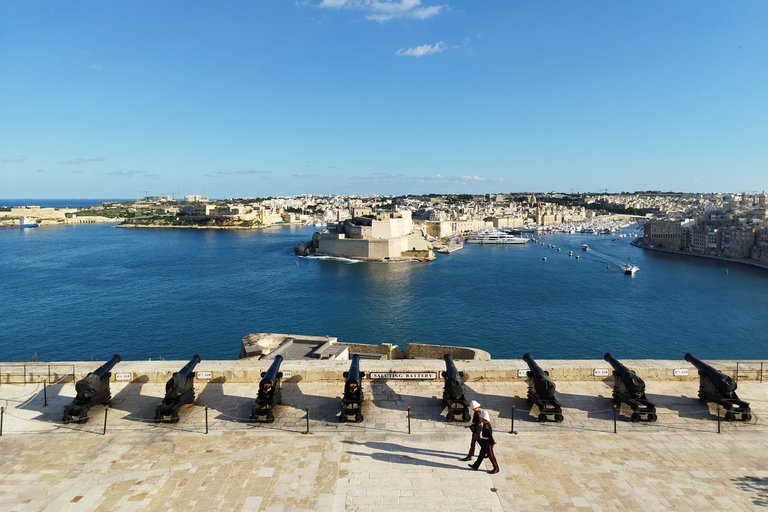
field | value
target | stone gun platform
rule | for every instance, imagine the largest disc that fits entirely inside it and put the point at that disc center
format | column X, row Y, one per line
column 679, row 462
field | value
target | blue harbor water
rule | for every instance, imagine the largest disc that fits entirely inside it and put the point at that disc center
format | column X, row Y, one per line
column 88, row 291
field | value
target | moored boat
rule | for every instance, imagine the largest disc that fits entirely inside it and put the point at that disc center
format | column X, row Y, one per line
column 495, row 237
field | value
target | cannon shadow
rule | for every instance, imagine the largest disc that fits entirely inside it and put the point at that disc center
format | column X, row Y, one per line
column 394, row 448
column 501, row 404
column 756, row 485
column 322, row 408
column 422, row 407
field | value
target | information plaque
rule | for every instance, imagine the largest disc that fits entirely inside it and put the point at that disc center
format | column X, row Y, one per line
column 204, row 375
column 601, row 372
column 680, row 372
column 403, row 375
column 122, row 376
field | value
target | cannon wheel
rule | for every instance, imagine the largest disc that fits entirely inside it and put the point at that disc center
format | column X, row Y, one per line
column 635, row 416
column 542, row 417
column 465, row 416
column 174, row 418
column 358, row 417
column 651, row 417
column 729, row 416
column 559, row 418
column 746, row 416
column 342, row 417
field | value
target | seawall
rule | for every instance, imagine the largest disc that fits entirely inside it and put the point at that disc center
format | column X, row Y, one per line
column 249, row 371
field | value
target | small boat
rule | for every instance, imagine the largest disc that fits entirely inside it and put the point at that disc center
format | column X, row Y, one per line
column 585, row 247
column 630, row 269
column 26, row 222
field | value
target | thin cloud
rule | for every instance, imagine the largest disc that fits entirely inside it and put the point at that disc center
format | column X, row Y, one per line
column 424, row 49
column 218, row 174
column 458, row 180
column 386, row 10
column 302, row 175
column 96, row 67
column 14, row 159
column 380, row 176
column 78, row 161
column 125, row 173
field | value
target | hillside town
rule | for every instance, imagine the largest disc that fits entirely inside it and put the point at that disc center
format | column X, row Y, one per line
column 400, row 227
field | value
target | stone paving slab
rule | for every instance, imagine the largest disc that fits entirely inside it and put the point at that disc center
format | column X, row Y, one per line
column 679, row 462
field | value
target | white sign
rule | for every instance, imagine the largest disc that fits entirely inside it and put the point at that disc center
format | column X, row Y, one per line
column 122, row 376
column 402, row 375
column 601, row 372
column 680, row 372
column 522, row 373
column 204, row 375
column 286, row 375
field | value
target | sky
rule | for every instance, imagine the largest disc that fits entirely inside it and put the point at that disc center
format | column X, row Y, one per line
column 254, row 98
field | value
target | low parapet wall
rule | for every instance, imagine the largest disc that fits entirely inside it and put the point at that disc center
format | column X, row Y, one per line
column 244, row 370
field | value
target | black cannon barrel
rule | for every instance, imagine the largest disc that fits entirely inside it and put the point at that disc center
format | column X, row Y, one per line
column 106, row 367
column 634, row 384
column 542, row 384
column 722, row 382
column 531, row 363
column 454, row 384
column 190, row 366
column 271, row 374
column 353, row 375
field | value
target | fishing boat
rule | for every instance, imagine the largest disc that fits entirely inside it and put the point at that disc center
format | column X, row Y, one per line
column 585, row 248
column 630, row 269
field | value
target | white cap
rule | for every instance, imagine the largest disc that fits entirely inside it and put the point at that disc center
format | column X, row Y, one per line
column 474, row 405
column 484, row 415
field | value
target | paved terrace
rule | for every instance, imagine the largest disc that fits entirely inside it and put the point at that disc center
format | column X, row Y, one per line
column 680, row 462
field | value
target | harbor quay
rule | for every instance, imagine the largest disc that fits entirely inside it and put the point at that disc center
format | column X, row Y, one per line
column 404, row 454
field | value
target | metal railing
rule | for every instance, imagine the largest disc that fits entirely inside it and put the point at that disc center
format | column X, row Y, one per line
column 30, row 373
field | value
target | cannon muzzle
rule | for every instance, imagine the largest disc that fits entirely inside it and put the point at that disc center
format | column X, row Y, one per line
column 542, row 384
column 454, row 382
column 107, row 367
column 724, row 384
column 267, row 384
column 634, row 385
column 190, row 366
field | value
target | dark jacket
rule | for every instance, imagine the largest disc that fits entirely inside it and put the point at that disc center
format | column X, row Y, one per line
column 486, row 435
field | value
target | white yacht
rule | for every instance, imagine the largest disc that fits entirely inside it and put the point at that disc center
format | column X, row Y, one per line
column 495, row 237
column 630, row 269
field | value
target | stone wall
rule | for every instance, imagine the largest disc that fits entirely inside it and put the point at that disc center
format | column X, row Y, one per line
column 249, row 370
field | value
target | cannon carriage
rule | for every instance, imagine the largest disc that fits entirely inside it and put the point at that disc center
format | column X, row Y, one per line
column 541, row 391
column 270, row 393
column 717, row 387
column 352, row 401
column 453, row 392
column 93, row 389
column 179, row 391
column 629, row 389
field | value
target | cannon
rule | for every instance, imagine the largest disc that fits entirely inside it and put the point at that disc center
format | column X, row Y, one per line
column 352, row 402
column 629, row 389
column 179, row 390
column 717, row 387
column 270, row 393
column 93, row 389
column 541, row 391
column 453, row 392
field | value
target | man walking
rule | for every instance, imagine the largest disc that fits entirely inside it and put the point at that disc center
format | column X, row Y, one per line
column 486, row 444
column 475, row 426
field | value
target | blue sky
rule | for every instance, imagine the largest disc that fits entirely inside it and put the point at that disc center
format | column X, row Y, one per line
column 268, row 97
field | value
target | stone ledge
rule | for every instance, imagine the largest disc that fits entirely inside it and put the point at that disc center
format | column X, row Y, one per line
column 248, row 370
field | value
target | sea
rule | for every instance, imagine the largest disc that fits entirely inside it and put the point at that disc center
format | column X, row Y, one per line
column 89, row 291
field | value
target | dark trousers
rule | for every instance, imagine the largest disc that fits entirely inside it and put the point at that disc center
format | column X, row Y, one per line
column 472, row 445
column 486, row 449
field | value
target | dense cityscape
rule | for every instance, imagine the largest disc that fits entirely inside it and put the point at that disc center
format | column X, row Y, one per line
column 718, row 224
